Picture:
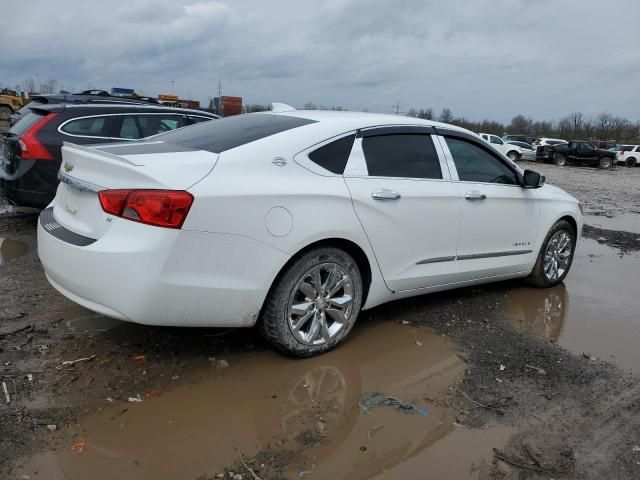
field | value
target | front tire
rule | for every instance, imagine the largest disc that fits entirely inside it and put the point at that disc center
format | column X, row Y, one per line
column 605, row 163
column 313, row 304
column 513, row 156
column 555, row 257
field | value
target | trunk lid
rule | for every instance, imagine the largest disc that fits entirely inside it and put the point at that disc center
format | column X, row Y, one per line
column 136, row 165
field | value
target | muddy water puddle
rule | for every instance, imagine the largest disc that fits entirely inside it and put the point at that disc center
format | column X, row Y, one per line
column 624, row 222
column 596, row 311
column 303, row 413
column 11, row 249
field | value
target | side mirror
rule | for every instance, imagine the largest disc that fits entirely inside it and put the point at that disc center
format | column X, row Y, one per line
column 532, row 179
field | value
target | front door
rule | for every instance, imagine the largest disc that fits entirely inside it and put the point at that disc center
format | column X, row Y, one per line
column 499, row 217
column 409, row 208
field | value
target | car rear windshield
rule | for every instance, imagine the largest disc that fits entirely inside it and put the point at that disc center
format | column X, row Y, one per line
column 25, row 122
column 232, row 132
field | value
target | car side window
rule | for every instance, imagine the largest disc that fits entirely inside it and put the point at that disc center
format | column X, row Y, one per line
column 129, row 128
column 402, row 155
column 496, row 140
column 154, row 124
column 475, row 164
column 91, row 127
column 334, row 155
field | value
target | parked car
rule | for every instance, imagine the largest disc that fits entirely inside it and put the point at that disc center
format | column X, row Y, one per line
column 576, row 151
column 528, row 139
column 541, row 142
column 629, row 155
column 30, row 155
column 87, row 96
column 296, row 221
column 528, row 151
column 512, row 151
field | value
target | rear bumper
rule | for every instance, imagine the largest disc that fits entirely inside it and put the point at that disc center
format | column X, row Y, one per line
column 158, row 276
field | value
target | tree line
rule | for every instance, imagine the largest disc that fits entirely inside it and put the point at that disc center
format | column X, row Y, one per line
column 575, row 126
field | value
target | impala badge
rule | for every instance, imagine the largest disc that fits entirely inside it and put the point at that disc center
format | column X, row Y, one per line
column 68, row 167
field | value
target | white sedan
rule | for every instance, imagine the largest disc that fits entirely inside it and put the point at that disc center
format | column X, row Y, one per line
column 296, row 221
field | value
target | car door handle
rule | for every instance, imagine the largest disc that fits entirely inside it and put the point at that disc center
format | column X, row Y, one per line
column 384, row 194
column 473, row 195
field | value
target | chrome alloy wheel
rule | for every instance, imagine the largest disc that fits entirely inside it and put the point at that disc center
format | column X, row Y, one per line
column 557, row 256
column 321, row 304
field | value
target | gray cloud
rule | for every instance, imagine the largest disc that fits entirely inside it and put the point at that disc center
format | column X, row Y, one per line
column 482, row 58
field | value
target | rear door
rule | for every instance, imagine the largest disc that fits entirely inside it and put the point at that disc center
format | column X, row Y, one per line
column 500, row 218
column 404, row 199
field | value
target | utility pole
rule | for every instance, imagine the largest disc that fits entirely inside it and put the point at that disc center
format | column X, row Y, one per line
column 219, row 88
column 396, row 107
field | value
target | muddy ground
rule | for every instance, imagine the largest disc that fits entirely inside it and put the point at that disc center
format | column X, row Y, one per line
column 498, row 382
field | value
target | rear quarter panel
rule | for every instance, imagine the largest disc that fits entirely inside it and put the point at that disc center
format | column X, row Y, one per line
column 286, row 207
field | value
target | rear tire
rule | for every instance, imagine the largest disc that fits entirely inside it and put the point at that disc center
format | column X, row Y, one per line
column 630, row 162
column 605, row 163
column 560, row 160
column 313, row 304
column 513, row 156
column 555, row 258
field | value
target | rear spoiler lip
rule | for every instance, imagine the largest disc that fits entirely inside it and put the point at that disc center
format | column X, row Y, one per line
column 100, row 153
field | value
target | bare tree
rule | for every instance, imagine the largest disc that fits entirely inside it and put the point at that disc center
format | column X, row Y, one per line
column 446, row 116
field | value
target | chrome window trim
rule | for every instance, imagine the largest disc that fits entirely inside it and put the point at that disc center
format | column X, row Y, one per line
column 302, row 157
column 122, row 115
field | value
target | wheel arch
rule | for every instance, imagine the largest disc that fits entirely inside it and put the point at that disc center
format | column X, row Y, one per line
column 349, row 246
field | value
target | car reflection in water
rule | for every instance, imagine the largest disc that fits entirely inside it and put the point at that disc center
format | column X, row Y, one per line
column 538, row 312
column 265, row 402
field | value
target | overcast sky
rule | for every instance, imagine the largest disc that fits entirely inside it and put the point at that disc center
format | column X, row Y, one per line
column 481, row 58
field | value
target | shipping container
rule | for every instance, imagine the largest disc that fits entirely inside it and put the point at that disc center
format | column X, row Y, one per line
column 230, row 106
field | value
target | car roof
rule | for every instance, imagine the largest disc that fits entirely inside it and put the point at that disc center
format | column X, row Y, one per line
column 110, row 107
column 346, row 121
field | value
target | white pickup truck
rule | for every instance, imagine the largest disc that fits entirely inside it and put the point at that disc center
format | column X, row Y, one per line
column 514, row 152
column 629, row 155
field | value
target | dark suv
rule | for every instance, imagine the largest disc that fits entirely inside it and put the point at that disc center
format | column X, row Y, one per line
column 88, row 96
column 30, row 154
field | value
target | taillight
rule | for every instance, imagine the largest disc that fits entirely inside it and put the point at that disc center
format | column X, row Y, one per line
column 31, row 147
column 162, row 208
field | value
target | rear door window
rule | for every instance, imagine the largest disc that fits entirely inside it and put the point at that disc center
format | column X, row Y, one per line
column 475, row 164
column 88, row 127
column 154, row 124
column 129, row 128
column 333, row 156
column 401, row 156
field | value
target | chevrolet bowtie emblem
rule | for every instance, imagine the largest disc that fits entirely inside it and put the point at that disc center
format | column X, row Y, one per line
column 68, row 167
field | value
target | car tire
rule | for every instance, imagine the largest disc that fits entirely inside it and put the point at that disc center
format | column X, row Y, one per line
column 513, row 156
column 630, row 162
column 322, row 318
column 5, row 113
column 553, row 263
column 605, row 163
column 560, row 160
